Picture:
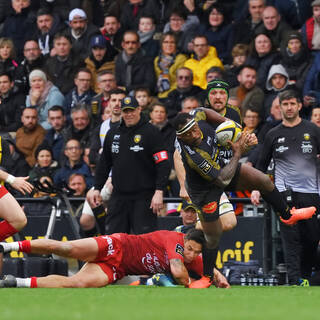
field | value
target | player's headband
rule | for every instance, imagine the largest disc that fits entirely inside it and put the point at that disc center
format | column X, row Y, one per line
column 186, row 127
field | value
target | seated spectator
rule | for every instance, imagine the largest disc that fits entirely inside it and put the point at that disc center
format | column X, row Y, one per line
column 101, row 58
column 45, row 165
column 315, row 115
column 33, row 59
column 11, row 104
column 149, row 45
column 48, row 24
column 77, row 182
column 144, row 98
column 30, row 135
column 18, row 25
column 54, row 138
column 133, row 70
column 296, row 59
column 166, row 65
column 43, row 95
column 106, row 83
column 273, row 26
column 62, row 67
column 112, row 32
column 80, row 127
column 184, row 27
column 184, row 89
column 311, row 29
column 188, row 213
column 262, row 56
column 218, row 31
column 188, row 104
column 248, row 93
column 80, row 32
column 74, row 164
column 7, row 56
column 239, row 54
column 202, row 60
column 81, row 93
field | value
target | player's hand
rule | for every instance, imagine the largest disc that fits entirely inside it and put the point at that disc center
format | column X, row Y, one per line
column 220, row 281
column 242, row 145
column 252, row 140
column 157, row 202
column 21, row 184
column 255, row 197
column 184, row 194
column 94, row 198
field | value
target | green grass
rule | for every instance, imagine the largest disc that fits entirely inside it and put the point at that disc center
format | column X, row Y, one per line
column 153, row 303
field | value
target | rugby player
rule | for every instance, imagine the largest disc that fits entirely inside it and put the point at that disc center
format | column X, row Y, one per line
column 109, row 258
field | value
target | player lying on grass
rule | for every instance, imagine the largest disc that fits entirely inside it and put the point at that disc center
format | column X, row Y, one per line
column 110, row 258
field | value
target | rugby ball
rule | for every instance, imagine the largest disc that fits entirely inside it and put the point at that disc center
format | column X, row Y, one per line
column 228, row 130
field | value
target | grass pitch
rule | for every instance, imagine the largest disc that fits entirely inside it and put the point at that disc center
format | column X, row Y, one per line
column 153, row 303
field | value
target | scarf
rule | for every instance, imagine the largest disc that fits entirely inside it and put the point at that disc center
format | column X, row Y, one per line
column 145, row 36
column 44, row 93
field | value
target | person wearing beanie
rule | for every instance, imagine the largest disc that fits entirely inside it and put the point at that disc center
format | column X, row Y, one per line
column 43, row 95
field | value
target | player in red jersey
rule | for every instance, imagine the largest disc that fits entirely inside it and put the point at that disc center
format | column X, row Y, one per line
column 109, row 258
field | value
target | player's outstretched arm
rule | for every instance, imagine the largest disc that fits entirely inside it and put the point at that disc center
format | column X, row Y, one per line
column 19, row 183
column 213, row 116
column 179, row 272
column 181, row 175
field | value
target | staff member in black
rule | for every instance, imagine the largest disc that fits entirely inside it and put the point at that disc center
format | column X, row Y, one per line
column 294, row 145
column 140, row 169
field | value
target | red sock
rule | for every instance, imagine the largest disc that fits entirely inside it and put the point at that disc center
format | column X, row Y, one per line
column 6, row 230
column 25, row 246
column 33, row 282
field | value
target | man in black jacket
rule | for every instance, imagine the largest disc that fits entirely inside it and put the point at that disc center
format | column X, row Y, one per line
column 140, row 168
column 133, row 69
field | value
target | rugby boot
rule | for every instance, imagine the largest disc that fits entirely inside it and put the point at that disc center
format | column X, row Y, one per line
column 8, row 281
column 202, row 283
column 299, row 214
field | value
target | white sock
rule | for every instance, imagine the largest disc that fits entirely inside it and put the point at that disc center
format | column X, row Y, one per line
column 23, row 282
column 10, row 246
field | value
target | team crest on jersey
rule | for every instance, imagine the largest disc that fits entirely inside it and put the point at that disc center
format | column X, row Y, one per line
column 205, row 166
column 179, row 249
column 137, row 138
column 306, row 136
column 281, row 140
column 210, row 207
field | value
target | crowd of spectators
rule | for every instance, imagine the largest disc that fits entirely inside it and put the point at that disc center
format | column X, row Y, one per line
column 60, row 62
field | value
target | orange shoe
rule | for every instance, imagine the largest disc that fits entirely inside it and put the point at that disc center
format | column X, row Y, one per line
column 135, row 283
column 202, row 283
column 299, row 214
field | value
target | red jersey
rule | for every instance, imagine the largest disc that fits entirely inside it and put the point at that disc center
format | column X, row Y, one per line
column 143, row 254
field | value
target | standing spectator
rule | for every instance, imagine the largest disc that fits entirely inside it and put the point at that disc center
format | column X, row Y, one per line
column 106, row 83
column 48, row 25
column 133, row 70
column 149, row 45
column 143, row 161
column 18, row 25
column 202, row 60
column 112, row 32
column 244, row 29
column 74, row 164
column 80, row 32
column 7, row 56
column 81, row 93
column 218, row 31
column 188, row 104
column 273, row 26
column 184, row 89
column 33, row 59
column 101, row 58
column 145, row 100
column 166, row 65
column 248, row 93
column 43, row 95
column 10, row 104
column 54, row 138
column 30, row 135
column 294, row 145
column 262, row 56
column 62, row 67
column 310, row 30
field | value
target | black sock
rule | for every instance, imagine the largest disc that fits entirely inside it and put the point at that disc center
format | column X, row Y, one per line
column 209, row 257
column 276, row 200
column 89, row 233
column 100, row 215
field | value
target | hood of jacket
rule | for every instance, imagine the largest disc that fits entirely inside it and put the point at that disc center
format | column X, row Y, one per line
column 276, row 69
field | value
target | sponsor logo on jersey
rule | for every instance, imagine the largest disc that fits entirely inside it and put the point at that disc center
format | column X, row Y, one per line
column 209, row 141
column 282, row 149
column 116, row 137
column 281, row 140
column 306, row 147
column 306, row 136
column 210, row 207
column 190, row 151
column 136, row 148
column 179, row 249
column 152, row 264
column 115, row 147
column 205, row 166
column 137, row 138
